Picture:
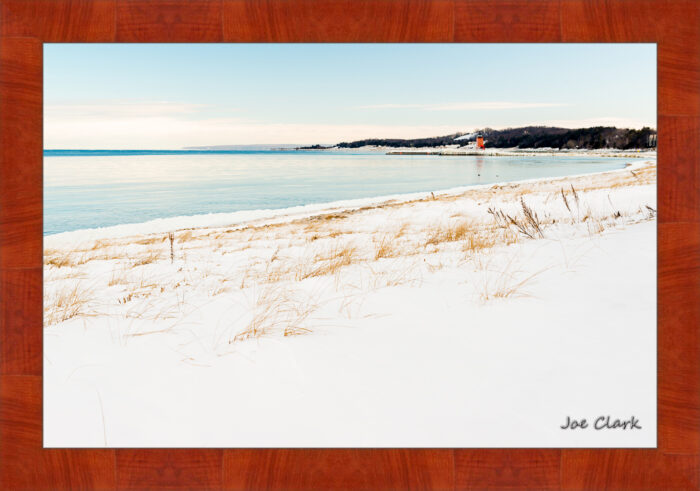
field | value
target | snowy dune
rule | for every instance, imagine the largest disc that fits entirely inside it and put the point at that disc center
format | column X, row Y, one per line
column 479, row 317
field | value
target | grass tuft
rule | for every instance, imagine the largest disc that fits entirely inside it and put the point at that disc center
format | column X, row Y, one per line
column 326, row 264
column 385, row 248
column 447, row 233
column 275, row 311
column 66, row 303
column 150, row 256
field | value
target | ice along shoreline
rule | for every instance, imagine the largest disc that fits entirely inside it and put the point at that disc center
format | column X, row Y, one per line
column 244, row 218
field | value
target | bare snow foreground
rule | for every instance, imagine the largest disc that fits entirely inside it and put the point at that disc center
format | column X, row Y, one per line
column 478, row 319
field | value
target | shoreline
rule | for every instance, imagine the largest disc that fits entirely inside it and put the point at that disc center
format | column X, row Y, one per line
column 523, row 153
column 270, row 216
column 493, row 152
column 342, row 310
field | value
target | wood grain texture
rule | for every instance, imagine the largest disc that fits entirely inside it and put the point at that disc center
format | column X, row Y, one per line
column 163, row 469
column 338, row 21
column 633, row 469
column 519, row 21
column 671, row 24
column 24, row 464
column 679, row 169
column 58, row 21
column 169, row 21
column 516, row 469
column 20, row 153
column 20, row 321
column 338, row 469
column 679, row 338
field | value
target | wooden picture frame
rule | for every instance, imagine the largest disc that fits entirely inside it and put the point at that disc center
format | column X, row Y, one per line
column 26, row 24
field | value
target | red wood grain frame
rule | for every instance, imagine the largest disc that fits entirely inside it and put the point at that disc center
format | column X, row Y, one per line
column 26, row 24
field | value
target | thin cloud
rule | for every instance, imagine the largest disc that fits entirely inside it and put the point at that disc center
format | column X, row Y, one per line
column 175, row 125
column 467, row 106
column 177, row 132
column 123, row 109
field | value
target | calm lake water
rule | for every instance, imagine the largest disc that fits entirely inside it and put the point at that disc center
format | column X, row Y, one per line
column 90, row 189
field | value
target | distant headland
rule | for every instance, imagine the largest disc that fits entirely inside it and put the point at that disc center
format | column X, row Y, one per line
column 530, row 137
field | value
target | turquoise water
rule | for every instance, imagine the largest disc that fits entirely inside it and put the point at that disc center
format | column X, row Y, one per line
column 90, row 189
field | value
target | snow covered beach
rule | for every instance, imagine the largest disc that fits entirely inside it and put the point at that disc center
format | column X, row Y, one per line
column 165, row 192
column 393, row 322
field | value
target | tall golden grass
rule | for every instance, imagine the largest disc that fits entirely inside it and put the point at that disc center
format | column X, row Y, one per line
column 66, row 302
column 447, row 233
column 275, row 311
column 339, row 256
column 327, row 246
column 151, row 255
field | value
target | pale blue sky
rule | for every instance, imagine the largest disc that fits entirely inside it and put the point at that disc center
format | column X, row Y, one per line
column 177, row 95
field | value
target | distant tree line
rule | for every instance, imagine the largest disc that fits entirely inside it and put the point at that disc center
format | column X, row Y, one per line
column 588, row 138
column 532, row 137
column 435, row 141
column 314, row 147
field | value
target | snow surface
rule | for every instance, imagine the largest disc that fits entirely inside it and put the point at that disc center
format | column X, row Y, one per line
column 433, row 343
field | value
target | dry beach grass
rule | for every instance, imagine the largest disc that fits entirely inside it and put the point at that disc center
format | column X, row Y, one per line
column 356, row 251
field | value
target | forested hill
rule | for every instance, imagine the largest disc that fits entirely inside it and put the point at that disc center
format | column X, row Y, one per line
column 531, row 137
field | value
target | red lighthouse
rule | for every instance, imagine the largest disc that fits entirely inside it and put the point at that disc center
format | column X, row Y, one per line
column 480, row 141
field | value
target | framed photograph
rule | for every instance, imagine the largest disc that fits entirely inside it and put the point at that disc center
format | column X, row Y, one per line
column 338, row 245
column 248, row 245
